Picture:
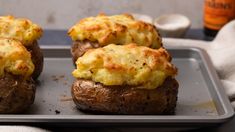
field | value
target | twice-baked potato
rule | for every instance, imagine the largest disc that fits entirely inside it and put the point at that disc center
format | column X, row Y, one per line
column 27, row 33
column 125, row 79
column 99, row 31
column 17, row 88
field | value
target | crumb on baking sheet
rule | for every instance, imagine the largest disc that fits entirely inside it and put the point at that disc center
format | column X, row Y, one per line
column 55, row 78
column 65, row 83
column 57, row 112
column 66, row 99
column 60, row 78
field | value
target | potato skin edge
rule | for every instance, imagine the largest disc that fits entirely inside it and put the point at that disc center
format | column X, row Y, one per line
column 16, row 93
column 37, row 58
column 97, row 98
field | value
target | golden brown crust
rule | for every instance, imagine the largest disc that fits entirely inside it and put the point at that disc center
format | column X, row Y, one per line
column 15, row 58
column 95, row 97
column 16, row 93
column 21, row 29
column 27, row 33
column 118, row 29
column 126, row 65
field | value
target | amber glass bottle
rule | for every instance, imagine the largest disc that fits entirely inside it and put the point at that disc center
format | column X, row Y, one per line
column 216, row 14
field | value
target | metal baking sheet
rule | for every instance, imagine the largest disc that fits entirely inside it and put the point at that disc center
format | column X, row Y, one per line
column 201, row 99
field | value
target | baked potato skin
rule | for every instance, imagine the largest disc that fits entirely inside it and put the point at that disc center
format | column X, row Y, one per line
column 95, row 97
column 78, row 48
column 37, row 58
column 16, row 93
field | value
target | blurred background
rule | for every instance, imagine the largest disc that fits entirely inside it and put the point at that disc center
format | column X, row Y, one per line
column 62, row 14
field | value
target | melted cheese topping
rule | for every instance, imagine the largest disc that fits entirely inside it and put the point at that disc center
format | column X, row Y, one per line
column 126, row 65
column 14, row 58
column 21, row 29
column 118, row 29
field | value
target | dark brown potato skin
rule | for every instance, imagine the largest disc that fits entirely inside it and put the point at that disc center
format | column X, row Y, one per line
column 16, row 93
column 95, row 97
column 80, row 47
column 37, row 58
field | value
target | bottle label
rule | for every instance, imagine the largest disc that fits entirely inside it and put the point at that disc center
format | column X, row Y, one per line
column 218, row 12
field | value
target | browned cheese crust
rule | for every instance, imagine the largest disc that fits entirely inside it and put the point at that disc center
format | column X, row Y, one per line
column 102, row 30
column 37, row 58
column 16, row 93
column 95, row 97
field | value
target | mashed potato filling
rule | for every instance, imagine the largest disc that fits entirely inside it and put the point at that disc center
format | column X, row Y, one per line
column 21, row 29
column 14, row 58
column 126, row 65
column 118, row 29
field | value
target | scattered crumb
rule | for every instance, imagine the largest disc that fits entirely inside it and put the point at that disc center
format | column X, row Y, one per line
column 43, row 101
column 66, row 99
column 58, row 78
column 57, row 112
column 55, row 79
column 65, row 83
column 61, row 76
column 63, row 95
column 49, row 109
